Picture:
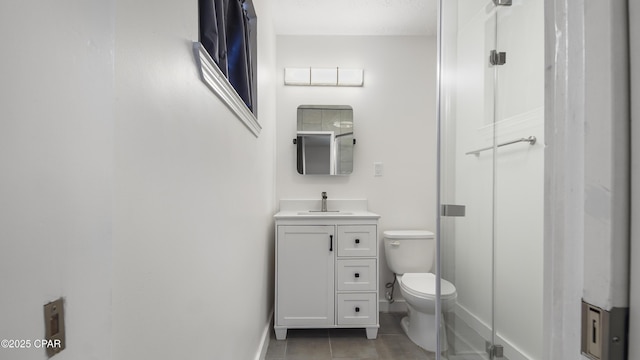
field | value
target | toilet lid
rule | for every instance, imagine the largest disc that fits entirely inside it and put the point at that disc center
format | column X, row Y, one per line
column 425, row 284
column 408, row 234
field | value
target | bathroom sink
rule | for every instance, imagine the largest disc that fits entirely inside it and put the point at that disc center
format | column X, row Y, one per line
column 338, row 209
column 324, row 213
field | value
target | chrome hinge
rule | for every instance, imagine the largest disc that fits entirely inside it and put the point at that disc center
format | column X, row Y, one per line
column 502, row 2
column 497, row 58
column 494, row 351
column 452, row 210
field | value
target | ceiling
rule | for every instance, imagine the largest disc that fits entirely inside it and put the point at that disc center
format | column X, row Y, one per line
column 355, row 17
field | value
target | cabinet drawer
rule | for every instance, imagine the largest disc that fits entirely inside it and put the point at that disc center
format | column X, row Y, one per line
column 357, row 274
column 357, row 240
column 357, row 309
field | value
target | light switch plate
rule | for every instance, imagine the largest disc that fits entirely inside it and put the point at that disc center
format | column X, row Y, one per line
column 377, row 169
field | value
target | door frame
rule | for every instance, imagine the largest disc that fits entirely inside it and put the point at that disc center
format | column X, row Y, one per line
column 634, row 278
column 587, row 90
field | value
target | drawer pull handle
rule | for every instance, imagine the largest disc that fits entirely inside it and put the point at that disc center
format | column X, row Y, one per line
column 357, row 241
column 330, row 242
column 357, row 309
column 357, row 275
column 394, row 243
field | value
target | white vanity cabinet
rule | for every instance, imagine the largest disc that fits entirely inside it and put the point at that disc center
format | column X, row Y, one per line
column 326, row 273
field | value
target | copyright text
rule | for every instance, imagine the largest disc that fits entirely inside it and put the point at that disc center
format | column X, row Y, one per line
column 28, row 344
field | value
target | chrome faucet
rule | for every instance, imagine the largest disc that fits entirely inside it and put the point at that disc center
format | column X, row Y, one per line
column 324, row 202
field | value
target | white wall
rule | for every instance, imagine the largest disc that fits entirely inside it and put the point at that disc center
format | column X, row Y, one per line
column 606, row 170
column 394, row 123
column 128, row 188
column 606, row 173
column 193, row 237
column 56, row 172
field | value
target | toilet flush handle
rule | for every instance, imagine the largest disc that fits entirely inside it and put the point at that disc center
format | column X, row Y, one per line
column 395, row 243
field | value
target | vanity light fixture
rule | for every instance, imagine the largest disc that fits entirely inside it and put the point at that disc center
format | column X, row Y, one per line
column 350, row 77
column 323, row 77
column 297, row 76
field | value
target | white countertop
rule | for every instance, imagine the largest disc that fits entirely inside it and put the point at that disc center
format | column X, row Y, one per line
column 336, row 209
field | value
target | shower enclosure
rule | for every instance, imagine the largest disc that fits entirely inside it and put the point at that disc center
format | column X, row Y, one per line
column 491, row 106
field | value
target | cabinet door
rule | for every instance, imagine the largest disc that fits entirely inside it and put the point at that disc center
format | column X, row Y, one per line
column 305, row 275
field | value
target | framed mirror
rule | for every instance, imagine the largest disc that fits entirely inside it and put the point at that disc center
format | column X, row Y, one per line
column 325, row 140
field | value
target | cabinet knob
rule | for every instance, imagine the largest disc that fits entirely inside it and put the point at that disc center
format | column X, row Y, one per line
column 357, row 309
column 357, row 241
column 357, row 275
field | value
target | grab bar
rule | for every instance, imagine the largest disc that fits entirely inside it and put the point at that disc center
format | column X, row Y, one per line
column 531, row 140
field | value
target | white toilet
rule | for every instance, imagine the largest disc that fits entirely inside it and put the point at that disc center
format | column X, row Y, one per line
column 410, row 255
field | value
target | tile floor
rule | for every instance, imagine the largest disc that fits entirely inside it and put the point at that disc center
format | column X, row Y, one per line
column 344, row 344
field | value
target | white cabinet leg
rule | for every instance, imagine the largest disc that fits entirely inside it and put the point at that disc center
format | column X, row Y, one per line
column 372, row 333
column 281, row 333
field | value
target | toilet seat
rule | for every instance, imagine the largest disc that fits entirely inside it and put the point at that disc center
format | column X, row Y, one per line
column 423, row 285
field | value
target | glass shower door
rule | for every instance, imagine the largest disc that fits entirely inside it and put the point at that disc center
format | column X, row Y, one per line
column 467, row 177
column 518, row 238
column 490, row 110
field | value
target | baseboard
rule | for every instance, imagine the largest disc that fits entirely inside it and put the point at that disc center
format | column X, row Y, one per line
column 261, row 354
column 397, row 306
column 460, row 344
column 511, row 351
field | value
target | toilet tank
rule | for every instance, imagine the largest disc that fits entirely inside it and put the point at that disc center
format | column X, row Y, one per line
column 409, row 251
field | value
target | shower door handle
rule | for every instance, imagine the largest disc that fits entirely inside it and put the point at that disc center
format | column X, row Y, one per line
column 452, row 210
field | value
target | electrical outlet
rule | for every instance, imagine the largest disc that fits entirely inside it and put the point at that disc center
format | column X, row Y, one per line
column 54, row 337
